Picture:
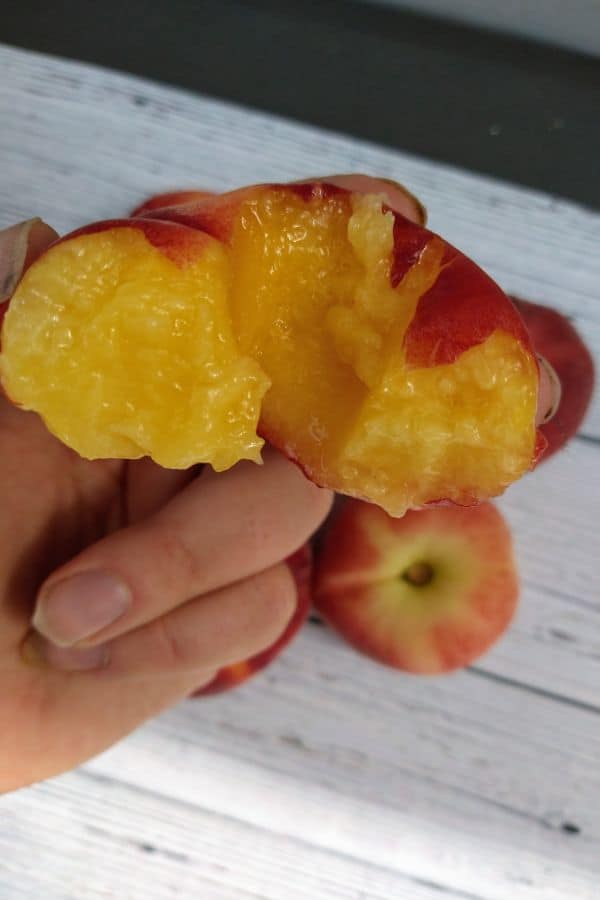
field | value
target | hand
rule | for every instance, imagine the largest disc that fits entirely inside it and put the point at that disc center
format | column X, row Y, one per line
column 124, row 586
column 139, row 582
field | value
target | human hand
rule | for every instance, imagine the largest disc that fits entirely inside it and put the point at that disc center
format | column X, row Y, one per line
column 147, row 580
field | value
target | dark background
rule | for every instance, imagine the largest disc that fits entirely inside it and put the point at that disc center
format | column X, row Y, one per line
column 508, row 107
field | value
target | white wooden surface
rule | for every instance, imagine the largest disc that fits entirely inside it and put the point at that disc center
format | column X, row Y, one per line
column 329, row 777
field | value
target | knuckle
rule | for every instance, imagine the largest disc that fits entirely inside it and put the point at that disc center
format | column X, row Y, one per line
column 256, row 530
column 322, row 501
column 277, row 590
column 181, row 558
column 176, row 649
column 286, row 526
column 313, row 502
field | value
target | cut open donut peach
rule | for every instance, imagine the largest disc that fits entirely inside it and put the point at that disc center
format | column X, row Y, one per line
column 365, row 347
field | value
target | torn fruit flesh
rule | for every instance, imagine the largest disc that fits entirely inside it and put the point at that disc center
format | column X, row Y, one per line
column 316, row 320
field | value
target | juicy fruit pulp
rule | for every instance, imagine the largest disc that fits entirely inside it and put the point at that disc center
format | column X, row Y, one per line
column 313, row 302
column 315, row 316
column 426, row 593
column 125, row 353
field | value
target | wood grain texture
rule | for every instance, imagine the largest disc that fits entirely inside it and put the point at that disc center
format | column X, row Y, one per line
column 144, row 841
column 330, row 777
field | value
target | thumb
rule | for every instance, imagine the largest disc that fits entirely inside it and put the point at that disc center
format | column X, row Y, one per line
column 20, row 246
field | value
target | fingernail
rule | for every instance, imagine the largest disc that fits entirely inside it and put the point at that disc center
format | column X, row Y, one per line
column 420, row 207
column 38, row 652
column 551, row 392
column 79, row 606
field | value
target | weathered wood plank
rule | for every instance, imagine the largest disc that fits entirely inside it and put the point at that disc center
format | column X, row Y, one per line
column 132, row 844
column 329, row 776
column 361, row 763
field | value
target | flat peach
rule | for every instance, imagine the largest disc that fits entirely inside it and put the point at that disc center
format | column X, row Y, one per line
column 427, row 593
column 558, row 341
column 362, row 345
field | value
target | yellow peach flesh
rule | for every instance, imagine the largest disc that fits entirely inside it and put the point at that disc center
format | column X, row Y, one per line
column 312, row 301
column 293, row 329
column 126, row 354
